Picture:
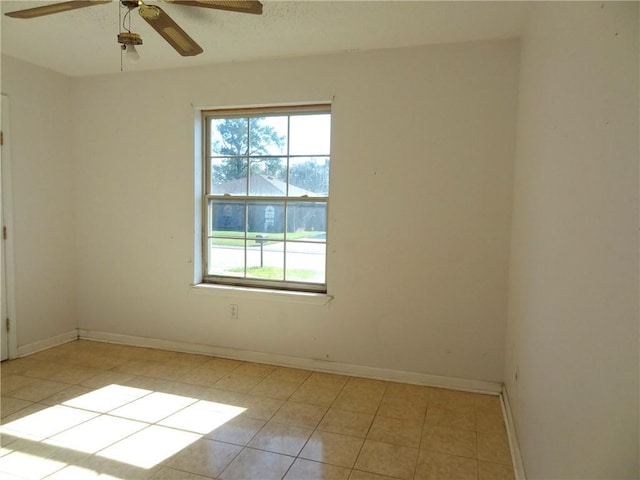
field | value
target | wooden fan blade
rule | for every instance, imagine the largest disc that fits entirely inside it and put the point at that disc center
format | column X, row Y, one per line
column 242, row 6
column 170, row 30
column 55, row 8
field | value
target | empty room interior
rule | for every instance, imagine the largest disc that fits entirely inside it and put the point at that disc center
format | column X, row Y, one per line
column 416, row 257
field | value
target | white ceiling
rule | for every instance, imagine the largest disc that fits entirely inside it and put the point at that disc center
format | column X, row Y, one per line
column 83, row 41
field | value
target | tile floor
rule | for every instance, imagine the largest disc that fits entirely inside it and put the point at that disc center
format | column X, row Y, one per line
column 89, row 410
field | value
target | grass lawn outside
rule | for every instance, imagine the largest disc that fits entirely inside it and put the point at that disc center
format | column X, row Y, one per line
column 236, row 239
column 276, row 273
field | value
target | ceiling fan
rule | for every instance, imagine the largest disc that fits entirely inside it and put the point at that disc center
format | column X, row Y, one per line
column 153, row 15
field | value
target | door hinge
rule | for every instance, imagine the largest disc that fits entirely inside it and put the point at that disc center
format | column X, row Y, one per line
column 7, row 323
column 1, row 138
column 4, row 232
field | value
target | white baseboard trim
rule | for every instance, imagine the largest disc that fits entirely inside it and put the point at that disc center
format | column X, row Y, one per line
column 516, row 458
column 478, row 386
column 40, row 345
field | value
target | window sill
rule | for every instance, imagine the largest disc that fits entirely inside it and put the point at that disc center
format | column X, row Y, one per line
column 261, row 294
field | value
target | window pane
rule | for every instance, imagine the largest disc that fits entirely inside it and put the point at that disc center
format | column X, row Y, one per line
column 227, row 218
column 229, row 136
column 268, row 177
column 226, row 257
column 309, row 176
column 229, row 176
column 307, row 221
column 266, row 219
column 265, row 260
column 306, row 262
column 268, row 135
column 310, row 134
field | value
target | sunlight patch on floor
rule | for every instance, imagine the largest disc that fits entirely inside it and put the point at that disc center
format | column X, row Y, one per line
column 124, row 425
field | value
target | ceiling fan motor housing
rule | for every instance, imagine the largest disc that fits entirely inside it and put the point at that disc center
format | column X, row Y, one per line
column 130, row 4
column 129, row 38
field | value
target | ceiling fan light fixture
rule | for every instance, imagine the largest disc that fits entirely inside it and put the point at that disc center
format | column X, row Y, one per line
column 129, row 40
column 131, row 54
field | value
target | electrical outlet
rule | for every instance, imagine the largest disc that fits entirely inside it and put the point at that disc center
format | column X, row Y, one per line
column 234, row 311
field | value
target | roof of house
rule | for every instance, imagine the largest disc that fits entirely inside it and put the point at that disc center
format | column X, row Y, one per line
column 262, row 185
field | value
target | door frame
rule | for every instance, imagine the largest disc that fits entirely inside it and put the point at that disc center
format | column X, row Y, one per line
column 8, row 291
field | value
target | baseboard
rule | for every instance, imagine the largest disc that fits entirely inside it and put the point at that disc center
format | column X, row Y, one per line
column 40, row 345
column 516, row 458
column 479, row 386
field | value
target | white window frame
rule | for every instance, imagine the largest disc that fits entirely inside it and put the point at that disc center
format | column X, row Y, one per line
column 208, row 195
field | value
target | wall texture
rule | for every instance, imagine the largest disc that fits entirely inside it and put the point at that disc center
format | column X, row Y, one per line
column 421, row 186
column 43, row 200
column 573, row 303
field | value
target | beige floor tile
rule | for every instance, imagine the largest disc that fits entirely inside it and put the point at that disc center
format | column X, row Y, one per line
column 237, row 383
column 106, row 378
column 489, row 423
column 36, row 391
column 287, row 374
column 204, row 457
column 136, row 367
column 386, row 459
column 261, row 408
column 409, row 393
column 110, row 469
column 226, row 364
column 357, row 386
column 494, row 447
column 12, row 382
column 309, row 470
column 153, row 407
column 440, row 466
column 360, row 475
column 65, row 395
column 494, row 471
column 488, row 404
column 271, row 414
column 74, row 375
column 25, row 466
column 203, row 376
column 10, row 405
column 24, row 412
column 280, row 438
column 403, row 409
column 326, row 380
column 345, row 422
column 395, row 431
column 316, row 394
column 239, row 430
column 250, row 464
column 201, row 417
column 332, row 448
column 300, row 414
column 448, row 418
column 452, row 399
column 359, row 401
column 255, row 369
column 170, row 474
column 447, row 440
column 168, row 371
column 42, row 370
column 275, row 388
column 189, row 359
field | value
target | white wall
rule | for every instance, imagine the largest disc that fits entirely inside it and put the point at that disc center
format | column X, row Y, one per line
column 43, row 200
column 421, row 187
column 573, row 303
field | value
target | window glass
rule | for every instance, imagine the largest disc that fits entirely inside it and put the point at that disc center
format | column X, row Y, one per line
column 267, row 196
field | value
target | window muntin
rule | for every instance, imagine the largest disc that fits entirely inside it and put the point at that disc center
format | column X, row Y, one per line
column 266, row 197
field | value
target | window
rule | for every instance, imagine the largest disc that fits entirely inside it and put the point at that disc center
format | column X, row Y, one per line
column 266, row 193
